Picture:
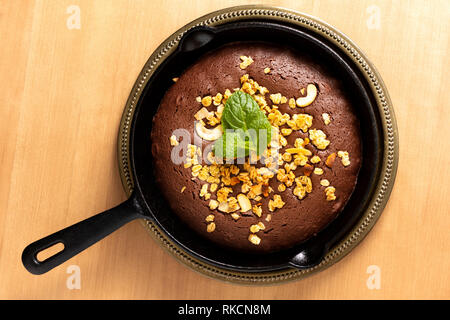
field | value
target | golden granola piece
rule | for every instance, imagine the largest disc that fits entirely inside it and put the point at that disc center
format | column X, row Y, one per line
column 253, row 238
column 257, row 210
column 213, row 204
column 246, row 61
column 318, row 171
column 173, row 140
column 319, row 139
column 276, row 98
column 329, row 192
column 326, row 118
column 204, row 190
column 344, row 158
column 206, row 101
column 286, row 131
column 211, row 227
column 291, row 103
column 300, row 121
column 315, row 159
column 277, row 202
column 222, row 194
column 235, row 216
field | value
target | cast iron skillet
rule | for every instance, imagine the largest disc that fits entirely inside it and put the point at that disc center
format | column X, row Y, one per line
column 146, row 200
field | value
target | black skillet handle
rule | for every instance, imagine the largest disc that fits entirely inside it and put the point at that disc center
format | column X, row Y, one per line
column 80, row 236
column 309, row 257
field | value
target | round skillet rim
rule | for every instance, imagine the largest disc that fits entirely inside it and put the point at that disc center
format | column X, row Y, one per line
column 377, row 86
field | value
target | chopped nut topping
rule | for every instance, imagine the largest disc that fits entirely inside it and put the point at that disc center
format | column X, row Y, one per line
column 244, row 78
column 344, row 158
column 213, row 187
column 253, row 238
column 206, row 101
column 254, row 228
column 257, row 210
column 326, row 118
column 300, row 150
column 203, row 113
column 246, row 61
column 324, row 182
column 196, row 168
column 198, row 99
column 281, row 187
column 257, row 227
column 330, row 160
column 204, row 190
column 235, row 216
column 210, row 218
column 286, row 131
column 287, row 157
column 300, row 121
column 318, row 171
column 276, row 98
column 233, row 204
column 213, row 204
column 227, row 94
column 217, row 99
column 266, row 70
column 173, row 140
column 211, row 227
column 319, row 139
column 315, row 159
column 303, row 186
column 329, row 191
column 182, row 189
column 175, row 79
column 222, row 194
column 292, row 103
column 308, row 169
column 277, row 202
column 269, row 217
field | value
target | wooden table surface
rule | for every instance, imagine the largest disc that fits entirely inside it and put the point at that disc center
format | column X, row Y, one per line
column 62, row 93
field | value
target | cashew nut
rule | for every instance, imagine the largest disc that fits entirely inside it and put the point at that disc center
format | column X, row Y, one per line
column 311, row 94
column 208, row 134
column 244, row 202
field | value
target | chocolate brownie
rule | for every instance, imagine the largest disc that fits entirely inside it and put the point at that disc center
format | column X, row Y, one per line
column 311, row 194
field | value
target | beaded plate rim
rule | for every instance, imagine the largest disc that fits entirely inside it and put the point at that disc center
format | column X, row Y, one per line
column 390, row 155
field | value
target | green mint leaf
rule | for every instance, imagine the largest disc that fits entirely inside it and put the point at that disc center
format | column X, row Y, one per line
column 246, row 128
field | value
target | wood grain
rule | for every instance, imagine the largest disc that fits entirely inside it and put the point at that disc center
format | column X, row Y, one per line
column 63, row 92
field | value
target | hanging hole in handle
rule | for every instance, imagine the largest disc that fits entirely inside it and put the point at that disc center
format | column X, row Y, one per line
column 50, row 251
